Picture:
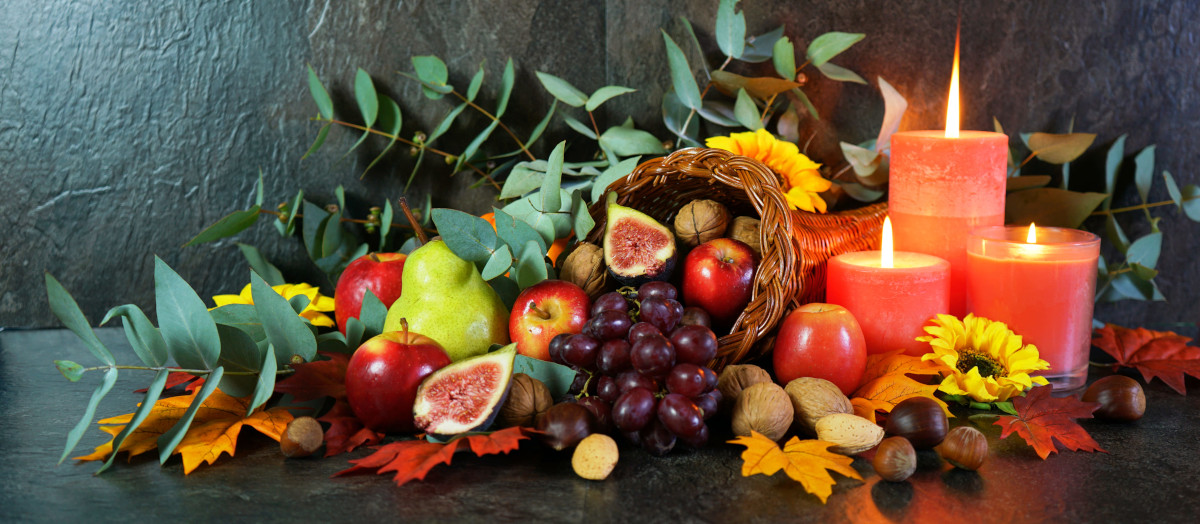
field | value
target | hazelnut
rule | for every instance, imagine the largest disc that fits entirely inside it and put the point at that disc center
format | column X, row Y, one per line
column 735, row 378
column 849, row 434
column 1120, row 397
column 895, row 459
column 745, row 229
column 302, row 438
column 814, row 398
column 964, row 447
column 765, row 408
column 527, row 399
column 584, row 267
column 920, row 420
column 700, row 221
column 595, row 457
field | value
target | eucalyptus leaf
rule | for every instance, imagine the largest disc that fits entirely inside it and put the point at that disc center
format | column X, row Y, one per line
column 468, row 236
column 531, row 265
column 143, row 336
column 241, row 316
column 581, row 219
column 286, row 330
column 1049, row 206
column 508, row 79
column 64, row 307
column 331, row 235
column 227, row 226
column 476, row 83
column 299, row 303
column 1112, row 167
column 76, row 433
column 474, row 145
column 1173, row 190
column 761, row 88
column 625, row 142
column 238, row 353
column 70, row 370
column 499, row 263
column 314, row 220
column 829, row 45
column 144, row 408
column 1115, row 234
column 696, row 43
column 860, row 192
column 372, row 314
column 356, row 333
column 259, row 264
column 320, row 96
column 562, row 90
column 788, row 124
column 1060, row 148
column 731, row 29
column 521, row 180
column 1145, row 250
column 506, row 288
column 552, row 182
column 390, row 122
column 1018, row 183
column 293, row 210
column 1143, row 272
column 1191, row 202
column 1143, row 175
column 541, row 126
column 719, row 112
column 169, row 440
column 760, row 48
column 366, row 96
column 612, row 174
column 189, row 331
column 681, row 74
column 579, row 127
column 266, row 381
column 385, row 226
column 556, row 377
column 866, row 164
column 605, row 93
column 430, row 69
column 784, row 58
column 808, row 105
column 516, row 232
column 746, row 111
column 675, row 116
column 321, row 136
column 444, row 125
column 836, row 72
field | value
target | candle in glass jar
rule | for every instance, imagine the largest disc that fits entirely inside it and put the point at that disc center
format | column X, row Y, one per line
column 1042, row 283
column 891, row 294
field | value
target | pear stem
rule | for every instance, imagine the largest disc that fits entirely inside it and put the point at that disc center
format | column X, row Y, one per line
column 412, row 219
column 539, row 312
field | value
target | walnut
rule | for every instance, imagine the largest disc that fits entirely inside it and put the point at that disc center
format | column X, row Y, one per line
column 700, row 221
column 527, row 400
column 745, row 229
column 765, row 408
column 813, row 399
column 584, row 267
column 736, row 378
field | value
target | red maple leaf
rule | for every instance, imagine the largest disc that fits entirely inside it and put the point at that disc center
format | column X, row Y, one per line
column 412, row 459
column 321, row 378
column 345, row 431
column 1041, row 418
column 177, row 378
column 1161, row 354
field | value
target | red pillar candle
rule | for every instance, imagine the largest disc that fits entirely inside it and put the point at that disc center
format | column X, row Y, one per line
column 1042, row 287
column 940, row 189
column 891, row 299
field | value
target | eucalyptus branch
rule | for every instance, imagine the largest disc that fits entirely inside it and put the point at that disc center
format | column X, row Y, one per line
column 496, row 119
column 595, row 128
column 404, row 225
column 286, row 371
column 1141, row 206
column 692, row 113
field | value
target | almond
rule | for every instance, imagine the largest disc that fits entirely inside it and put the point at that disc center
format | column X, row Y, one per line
column 849, row 434
column 814, row 399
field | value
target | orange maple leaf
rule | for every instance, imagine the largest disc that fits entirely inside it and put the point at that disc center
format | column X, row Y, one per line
column 886, row 383
column 1161, row 354
column 413, row 459
column 1041, row 417
column 214, row 429
column 805, row 461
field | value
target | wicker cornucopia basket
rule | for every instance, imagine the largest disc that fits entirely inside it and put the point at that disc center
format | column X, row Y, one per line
column 795, row 245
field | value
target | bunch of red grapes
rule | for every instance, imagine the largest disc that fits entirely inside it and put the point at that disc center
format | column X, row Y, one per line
column 642, row 366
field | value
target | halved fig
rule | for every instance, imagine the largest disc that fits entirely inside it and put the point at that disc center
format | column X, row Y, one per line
column 637, row 249
column 465, row 395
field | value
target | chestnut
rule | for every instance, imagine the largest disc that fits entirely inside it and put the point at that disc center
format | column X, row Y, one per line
column 565, row 424
column 895, row 459
column 920, row 420
column 965, row 448
column 1120, row 397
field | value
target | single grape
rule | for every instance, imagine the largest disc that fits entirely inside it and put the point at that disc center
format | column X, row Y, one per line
column 657, row 289
column 652, row 356
column 676, row 311
column 556, row 348
column 710, row 378
column 608, row 325
column 694, row 316
column 708, row 403
column 607, row 389
column 686, row 379
column 680, row 415
column 698, row 440
column 578, row 383
column 611, row 301
column 601, row 413
column 642, row 330
column 657, row 439
column 634, row 409
column 629, row 380
column 661, row 313
column 580, row 351
column 613, row 357
column 694, row 344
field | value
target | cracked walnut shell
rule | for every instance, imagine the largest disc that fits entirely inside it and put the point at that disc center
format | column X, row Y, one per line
column 700, row 221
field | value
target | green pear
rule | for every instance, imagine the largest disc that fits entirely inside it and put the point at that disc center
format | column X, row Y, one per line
column 445, row 298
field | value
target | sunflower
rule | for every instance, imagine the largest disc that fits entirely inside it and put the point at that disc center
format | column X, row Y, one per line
column 799, row 173
column 318, row 304
column 985, row 360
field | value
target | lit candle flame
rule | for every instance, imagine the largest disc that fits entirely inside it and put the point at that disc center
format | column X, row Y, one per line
column 885, row 253
column 1032, row 236
column 952, row 101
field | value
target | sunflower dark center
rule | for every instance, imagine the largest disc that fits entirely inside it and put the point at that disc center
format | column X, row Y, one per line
column 988, row 367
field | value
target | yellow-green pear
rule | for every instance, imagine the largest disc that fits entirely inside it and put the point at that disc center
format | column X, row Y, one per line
column 445, row 298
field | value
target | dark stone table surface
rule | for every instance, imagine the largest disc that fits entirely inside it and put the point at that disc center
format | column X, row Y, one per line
column 1149, row 474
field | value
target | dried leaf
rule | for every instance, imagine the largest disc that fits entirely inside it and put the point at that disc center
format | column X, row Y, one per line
column 179, row 378
column 346, row 432
column 886, row 383
column 213, row 431
column 413, row 459
column 805, row 461
column 1161, row 354
column 313, row 380
column 1060, row 149
column 1041, row 419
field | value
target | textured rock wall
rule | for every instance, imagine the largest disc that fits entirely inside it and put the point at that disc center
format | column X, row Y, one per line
column 129, row 126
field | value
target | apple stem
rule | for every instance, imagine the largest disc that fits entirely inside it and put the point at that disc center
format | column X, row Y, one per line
column 374, row 258
column 539, row 312
column 412, row 219
column 404, row 327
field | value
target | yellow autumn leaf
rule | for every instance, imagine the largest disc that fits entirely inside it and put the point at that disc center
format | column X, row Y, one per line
column 214, row 429
column 805, row 461
column 887, row 383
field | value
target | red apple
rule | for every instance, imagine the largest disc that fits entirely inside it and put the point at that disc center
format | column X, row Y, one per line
column 379, row 272
column 383, row 375
column 823, row 341
column 545, row 310
column 718, row 276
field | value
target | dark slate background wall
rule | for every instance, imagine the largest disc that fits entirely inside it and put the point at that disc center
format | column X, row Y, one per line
column 127, row 127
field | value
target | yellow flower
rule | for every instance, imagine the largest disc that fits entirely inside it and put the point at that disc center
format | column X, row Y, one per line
column 799, row 173
column 986, row 361
column 318, row 305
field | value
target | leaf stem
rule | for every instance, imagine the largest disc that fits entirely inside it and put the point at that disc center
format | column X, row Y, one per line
column 707, row 86
column 1140, row 206
column 404, row 225
column 286, row 371
column 595, row 129
column 506, row 129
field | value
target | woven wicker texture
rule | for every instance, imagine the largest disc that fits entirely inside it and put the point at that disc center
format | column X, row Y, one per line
column 795, row 244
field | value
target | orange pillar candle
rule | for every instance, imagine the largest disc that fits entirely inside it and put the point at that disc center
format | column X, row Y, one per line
column 892, row 295
column 1042, row 283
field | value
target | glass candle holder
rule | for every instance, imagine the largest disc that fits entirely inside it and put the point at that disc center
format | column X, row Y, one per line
column 1044, row 290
